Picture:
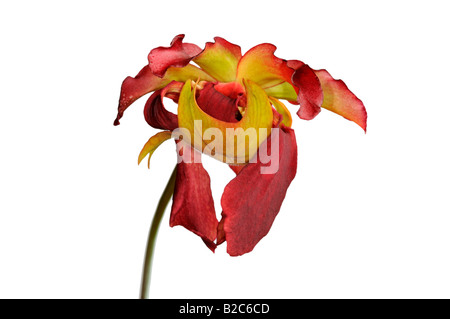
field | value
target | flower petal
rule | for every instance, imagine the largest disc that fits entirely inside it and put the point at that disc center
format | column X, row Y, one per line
column 146, row 82
column 340, row 100
column 133, row 88
column 179, row 54
column 152, row 144
column 283, row 91
column 261, row 66
column 172, row 90
column 236, row 168
column 189, row 72
column 283, row 110
column 220, row 233
column 233, row 89
column 157, row 116
column 216, row 104
column 193, row 205
column 310, row 95
column 295, row 64
column 258, row 117
column 220, row 59
column 252, row 200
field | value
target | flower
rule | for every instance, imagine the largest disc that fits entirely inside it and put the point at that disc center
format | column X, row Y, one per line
column 228, row 90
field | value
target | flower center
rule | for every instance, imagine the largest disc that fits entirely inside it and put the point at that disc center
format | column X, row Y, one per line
column 222, row 101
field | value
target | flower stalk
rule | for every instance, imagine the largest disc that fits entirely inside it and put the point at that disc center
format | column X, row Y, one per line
column 153, row 233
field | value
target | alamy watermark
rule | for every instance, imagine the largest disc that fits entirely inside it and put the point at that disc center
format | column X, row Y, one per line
column 235, row 146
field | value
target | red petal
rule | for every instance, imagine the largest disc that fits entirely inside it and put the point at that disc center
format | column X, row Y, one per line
column 310, row 94
column 295, row 64
column 193, row 205
column 179, row 54
column 236, row 168
column 172, row 91
column 252, row 200
column 231, row 89
column 220, row 233
column 157, row 115
column 339, row 99
column 133, row 88
column 216, row 104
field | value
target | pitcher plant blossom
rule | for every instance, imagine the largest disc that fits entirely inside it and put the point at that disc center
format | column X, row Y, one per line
column 226, row 100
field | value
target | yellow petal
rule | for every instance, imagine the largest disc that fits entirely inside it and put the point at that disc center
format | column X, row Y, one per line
column 220, row 59
column 239, row 141
column 152, row 144
column 283, row 91
column 185, row 73
column 261, row 66
column 283, row 110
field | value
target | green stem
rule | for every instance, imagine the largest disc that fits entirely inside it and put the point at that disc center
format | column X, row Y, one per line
column 162, row 204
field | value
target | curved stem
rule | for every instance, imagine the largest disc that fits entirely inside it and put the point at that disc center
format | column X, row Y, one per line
column 162, row 204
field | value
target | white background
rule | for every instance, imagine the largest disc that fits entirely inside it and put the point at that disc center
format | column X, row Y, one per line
column 366, row 217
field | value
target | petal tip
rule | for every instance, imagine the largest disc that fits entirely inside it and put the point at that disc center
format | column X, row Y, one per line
column 339, row 99
column 364, row 124
column 178, row 54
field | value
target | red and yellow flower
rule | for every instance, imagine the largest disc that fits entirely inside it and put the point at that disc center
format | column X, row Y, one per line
column 227, row 90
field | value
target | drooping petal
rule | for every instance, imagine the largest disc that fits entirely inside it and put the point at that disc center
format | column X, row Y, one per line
column 340, row 100
column 220, row 232
column 179, row 54
column 261, row 66
column 157, row 116
column 146, row 82
column 252, row 200
column 216, row 104
column 220, row 59
column 193, row 205
column 152, row 144
column 310, row 95
column 240, row 140
column 283, row 110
